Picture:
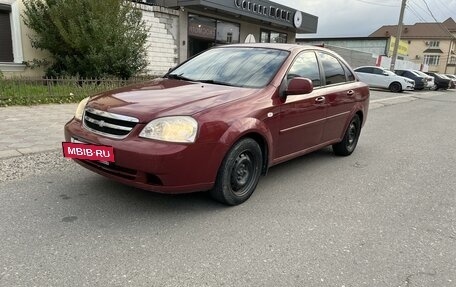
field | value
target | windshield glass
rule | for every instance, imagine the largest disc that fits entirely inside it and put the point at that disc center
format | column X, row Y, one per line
column 421, row 74
column 240, row 67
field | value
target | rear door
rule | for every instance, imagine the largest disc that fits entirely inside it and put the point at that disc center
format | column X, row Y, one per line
column 366, row 75
column 340, row 93
column 383, row 80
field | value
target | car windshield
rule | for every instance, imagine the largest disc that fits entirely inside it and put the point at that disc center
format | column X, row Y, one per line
column 231, row 66
column 423, row 74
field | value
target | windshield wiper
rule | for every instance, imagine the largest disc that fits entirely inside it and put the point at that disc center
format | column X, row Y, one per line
column 177, row 77
column 215, row 82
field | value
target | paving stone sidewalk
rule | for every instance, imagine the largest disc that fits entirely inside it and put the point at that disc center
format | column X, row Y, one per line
column 26, row 130
column 34, row 129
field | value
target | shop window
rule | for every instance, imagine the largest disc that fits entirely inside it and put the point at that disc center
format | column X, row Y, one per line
column 206, row 32
column 227, row 32
column 6, row 48
column 268, row 36
column 201, row 27
column 431, row 60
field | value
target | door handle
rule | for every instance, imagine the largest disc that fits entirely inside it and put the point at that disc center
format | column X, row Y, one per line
column 320, row 100
column 350, row 93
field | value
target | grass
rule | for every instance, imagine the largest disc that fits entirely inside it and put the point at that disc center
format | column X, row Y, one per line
column 27, row 92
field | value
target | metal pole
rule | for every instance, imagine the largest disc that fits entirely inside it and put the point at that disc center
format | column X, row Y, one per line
column 398, row 35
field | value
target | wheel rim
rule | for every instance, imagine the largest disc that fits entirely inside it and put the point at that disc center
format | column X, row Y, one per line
column 352, row 134
column 396, row 88
column 242, row 174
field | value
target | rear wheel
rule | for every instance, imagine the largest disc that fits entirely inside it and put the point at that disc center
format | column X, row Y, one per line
column 239, row 173
column 350, row 140
column 395, row 87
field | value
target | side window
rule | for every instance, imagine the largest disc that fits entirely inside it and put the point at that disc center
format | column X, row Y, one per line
column 306, row 66
column 365, row 70
column 333, row 70
column 409, row 75
column 349, row 74
column 378, row 71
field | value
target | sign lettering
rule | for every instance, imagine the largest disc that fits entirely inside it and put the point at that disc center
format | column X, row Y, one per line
column 88, row 151
column 271, row 11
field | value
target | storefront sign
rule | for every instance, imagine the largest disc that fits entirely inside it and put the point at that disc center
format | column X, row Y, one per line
column 201, row 30
column 259, row 11
column 270, row 11
column 403, row 47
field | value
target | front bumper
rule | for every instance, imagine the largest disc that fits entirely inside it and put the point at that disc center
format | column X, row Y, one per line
column 152, row 165
column 409, row 87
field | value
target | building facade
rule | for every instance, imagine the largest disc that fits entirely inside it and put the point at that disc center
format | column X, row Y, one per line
column 432, row 44
column 15, row 46
column 179, row 29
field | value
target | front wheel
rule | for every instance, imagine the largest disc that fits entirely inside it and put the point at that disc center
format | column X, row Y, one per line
column 395, row 87
column 350, row 140
column 239, row 173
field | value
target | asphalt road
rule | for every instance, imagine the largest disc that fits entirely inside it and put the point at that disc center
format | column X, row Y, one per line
column 385, row 216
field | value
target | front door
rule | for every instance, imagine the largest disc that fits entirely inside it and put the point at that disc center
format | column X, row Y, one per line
column 302, row 117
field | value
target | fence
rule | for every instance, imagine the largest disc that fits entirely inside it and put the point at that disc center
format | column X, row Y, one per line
column 29, row 91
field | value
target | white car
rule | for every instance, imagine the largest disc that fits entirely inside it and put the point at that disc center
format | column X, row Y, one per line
column 429, row 79
column 378, row 77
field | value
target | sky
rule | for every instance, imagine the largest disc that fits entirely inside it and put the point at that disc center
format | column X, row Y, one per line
column 359, row 18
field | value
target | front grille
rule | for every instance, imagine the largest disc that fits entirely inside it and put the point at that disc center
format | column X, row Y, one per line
column 108, row 124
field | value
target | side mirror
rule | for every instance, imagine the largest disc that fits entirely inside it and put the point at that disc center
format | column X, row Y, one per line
column 385, row 74
column 299, row 86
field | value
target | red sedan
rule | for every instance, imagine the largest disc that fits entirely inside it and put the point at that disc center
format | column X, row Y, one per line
column 218, row 121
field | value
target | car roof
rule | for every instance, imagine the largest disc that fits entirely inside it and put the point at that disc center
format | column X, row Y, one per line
column 370, row 67
column 276, row 46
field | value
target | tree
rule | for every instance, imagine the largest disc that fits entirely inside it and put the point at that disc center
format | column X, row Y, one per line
column 89, row 38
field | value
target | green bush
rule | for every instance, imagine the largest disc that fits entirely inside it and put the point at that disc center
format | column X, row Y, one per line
column 89, row 38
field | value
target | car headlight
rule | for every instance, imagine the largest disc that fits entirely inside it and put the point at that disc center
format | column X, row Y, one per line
column 80, row 110
column 181, row 129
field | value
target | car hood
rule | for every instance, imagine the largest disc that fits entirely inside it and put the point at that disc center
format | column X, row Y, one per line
column 164, row 97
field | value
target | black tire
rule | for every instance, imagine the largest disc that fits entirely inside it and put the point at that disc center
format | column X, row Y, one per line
column 350, row 140
column 239, row 173
column 395, row 87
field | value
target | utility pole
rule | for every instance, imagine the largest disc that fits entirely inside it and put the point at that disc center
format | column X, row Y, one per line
column 398, row 35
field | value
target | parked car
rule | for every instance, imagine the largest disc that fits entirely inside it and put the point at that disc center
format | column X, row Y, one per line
column 429, row 79
column 219, row 120
column 420, row 81
column 453, row 80
column 377, row 77
column 441, row 82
